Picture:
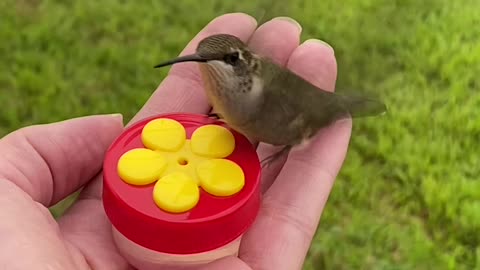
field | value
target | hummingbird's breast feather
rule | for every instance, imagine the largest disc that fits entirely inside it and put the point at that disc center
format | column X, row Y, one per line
column 233, row 97
column 211, row 86
column 260, row 108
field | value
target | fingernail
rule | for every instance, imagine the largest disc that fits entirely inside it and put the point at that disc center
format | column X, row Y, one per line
column 117, row 116
column 321, row 42
column 290, row 20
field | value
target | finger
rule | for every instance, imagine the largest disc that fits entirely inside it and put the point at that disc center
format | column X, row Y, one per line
column 49, row 162
column 314, row 60
column 276, row 39
column 87, row 227
column 182, row 89
column 293, row 204
column 30, row 238
column 86, row 223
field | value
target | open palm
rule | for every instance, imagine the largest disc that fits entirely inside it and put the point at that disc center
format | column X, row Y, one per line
column 41, row 165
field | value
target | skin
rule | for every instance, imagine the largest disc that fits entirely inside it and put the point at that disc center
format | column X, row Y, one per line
column 40, row 165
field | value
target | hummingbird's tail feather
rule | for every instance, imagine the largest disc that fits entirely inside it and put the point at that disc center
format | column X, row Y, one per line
column 362, row 106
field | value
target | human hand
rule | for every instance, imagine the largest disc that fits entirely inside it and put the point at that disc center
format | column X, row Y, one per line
column 41, row 165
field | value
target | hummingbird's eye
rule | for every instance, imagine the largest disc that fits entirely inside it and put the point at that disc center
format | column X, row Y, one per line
column 231, row 58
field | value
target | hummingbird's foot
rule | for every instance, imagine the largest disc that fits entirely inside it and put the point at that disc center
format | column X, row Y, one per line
column 270, row 159
column 215, row 116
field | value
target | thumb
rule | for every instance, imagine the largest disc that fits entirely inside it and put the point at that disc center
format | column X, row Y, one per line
column 51, row 161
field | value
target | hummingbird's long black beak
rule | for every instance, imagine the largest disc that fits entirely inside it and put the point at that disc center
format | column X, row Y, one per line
column 186, row 58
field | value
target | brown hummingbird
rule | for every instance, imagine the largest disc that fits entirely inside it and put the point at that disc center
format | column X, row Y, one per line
column 264, row 101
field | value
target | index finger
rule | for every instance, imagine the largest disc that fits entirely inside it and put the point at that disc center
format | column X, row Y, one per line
column 182, row 89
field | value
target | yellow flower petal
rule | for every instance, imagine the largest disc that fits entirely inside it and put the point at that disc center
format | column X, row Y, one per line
column 220, row 177
column 163, row 134
column 176, row 192
column 141, row 166
column 213, row 141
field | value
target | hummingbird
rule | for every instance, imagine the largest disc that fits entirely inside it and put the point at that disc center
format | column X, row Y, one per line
column 265, row 101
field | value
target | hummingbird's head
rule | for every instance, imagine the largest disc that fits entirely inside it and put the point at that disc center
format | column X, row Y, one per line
column 224, row 54
column 227, row 53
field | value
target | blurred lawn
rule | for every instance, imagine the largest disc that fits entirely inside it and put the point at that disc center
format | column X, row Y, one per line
column 408, row 196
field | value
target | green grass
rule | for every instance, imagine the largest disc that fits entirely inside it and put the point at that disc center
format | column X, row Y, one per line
column 408, row 196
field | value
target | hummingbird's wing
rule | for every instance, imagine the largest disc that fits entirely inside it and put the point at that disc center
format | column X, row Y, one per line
column 296, row 97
